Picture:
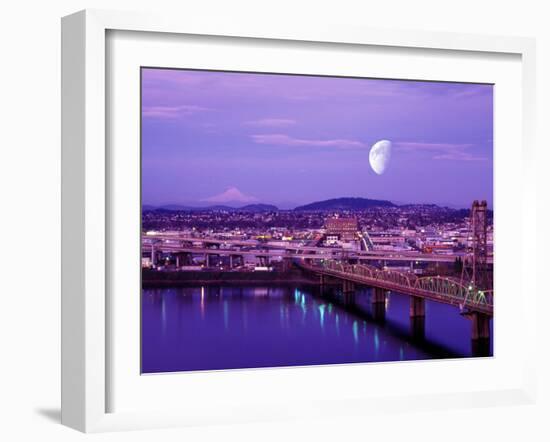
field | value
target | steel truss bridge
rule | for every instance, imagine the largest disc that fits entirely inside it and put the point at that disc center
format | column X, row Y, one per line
column 447, row 290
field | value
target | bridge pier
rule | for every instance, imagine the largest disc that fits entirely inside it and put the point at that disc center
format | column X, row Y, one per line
column 418, row 307
column 417, row 313
column 378, row 304
column 480, row 326
column 378, row 296
column 178, row 260
column 481, row 334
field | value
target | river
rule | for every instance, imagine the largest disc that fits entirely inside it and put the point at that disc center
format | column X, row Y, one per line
column 223, row 327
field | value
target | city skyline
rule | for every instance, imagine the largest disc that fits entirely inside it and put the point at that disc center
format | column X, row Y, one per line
column 238, row 138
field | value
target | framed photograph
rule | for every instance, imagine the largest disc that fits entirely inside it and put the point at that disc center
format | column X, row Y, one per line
column 251, row 212
column 270, row 224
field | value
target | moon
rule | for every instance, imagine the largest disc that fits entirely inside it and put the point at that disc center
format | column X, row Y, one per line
column 380, row 155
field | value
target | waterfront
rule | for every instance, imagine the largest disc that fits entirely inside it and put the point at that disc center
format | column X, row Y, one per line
column 223, row 327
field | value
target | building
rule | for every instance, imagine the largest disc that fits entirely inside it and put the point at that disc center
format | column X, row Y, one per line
column 344, row 228
column 387, row 238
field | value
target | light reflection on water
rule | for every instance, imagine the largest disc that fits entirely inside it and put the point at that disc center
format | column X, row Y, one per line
column 210, row 327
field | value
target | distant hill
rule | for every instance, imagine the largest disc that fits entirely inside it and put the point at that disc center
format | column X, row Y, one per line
column 217, row 207
column 178, row 207
column 171, row 207
column 259, row 208
column 345, row 204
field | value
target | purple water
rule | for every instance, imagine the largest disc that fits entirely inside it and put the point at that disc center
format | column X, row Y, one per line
column 224, row 327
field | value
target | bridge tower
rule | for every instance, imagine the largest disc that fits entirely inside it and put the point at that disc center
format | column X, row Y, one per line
column 475, row 273
column 474, row 270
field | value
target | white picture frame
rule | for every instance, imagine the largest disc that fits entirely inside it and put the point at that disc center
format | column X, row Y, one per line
column 85, row 202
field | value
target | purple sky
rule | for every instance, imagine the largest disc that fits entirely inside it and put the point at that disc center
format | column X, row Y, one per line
column 237, row 138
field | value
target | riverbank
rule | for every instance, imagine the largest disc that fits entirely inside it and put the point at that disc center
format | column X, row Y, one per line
column 153, row 278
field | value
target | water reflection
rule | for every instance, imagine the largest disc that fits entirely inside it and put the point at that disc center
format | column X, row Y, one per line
column 202, row 302
column 418, row 327
column 214, row 327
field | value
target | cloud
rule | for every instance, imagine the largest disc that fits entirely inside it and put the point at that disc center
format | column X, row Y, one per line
column 442, row 151
column 172, row 112
column 271, row 122
column 416, row 146
column 231, row 195
column 285, row 140
column 459, row 156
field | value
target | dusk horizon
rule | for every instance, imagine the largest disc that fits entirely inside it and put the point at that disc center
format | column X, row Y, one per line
column 290, row 205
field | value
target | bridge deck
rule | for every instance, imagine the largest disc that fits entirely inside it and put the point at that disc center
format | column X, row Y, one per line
column 162, row 242
column 289, row 253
